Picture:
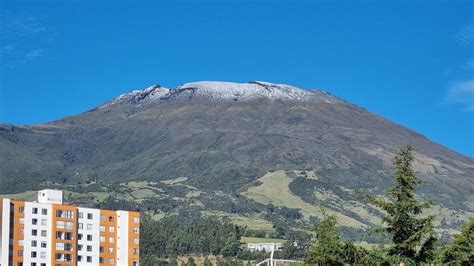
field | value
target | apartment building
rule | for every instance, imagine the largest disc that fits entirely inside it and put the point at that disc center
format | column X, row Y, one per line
column 48, row 232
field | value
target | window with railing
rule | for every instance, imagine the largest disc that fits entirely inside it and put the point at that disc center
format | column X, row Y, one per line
column 65, row 214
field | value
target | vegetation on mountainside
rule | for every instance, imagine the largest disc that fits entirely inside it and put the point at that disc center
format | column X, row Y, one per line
column 194, row 157
column 413, row 239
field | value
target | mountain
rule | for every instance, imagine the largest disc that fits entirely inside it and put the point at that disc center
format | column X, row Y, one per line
column 259, row 153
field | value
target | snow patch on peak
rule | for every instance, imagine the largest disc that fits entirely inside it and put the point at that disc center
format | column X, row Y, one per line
column 221, row 90
column 236, row 91
column 138, row 97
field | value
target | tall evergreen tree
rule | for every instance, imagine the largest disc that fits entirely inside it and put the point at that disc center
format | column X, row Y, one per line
column 328, row 247
column 412, row 234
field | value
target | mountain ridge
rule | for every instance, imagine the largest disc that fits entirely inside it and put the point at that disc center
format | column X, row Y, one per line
column 221, row 90
column 323, row 148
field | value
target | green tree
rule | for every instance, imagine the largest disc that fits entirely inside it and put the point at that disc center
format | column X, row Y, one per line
column 149, row 261
column 412, row 235
column 327, row 249
column 352, row 255
column 231, row 247
column 461, row 251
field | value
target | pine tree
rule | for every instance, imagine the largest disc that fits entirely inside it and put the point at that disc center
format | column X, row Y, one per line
column 328, row 247
column 461, row 251
column 412, row 235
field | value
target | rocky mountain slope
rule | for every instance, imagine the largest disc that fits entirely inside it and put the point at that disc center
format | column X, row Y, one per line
column 246, row 150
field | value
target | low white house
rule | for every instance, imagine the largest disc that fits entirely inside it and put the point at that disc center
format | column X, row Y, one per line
column 264, row 246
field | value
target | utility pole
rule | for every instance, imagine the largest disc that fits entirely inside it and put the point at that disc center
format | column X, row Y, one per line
column 271, row 255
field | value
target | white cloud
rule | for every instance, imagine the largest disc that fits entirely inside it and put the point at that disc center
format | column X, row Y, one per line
column 461, row 93
column 35, row 53
column 23, row 39
column 466, row 35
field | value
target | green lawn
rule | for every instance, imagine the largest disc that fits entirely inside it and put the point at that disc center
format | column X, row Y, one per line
column 275, row 190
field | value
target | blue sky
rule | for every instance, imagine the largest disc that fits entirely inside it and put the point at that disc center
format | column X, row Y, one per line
column 409, row 61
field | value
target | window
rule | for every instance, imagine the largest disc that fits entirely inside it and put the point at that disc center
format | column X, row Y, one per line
column 59, row 246
column 65, row 214
column 80, row 215
column 101, row 249
column 20, row 253
column 111, row 250
column 44, row 211
column 79, row 258
column 34, row 221
column 111, row 261
column 79, row 236
column 59, row 235
column 89, row 259
column 136, row 220
column 102, row 239
column 80, row 226
column 21, row 231
column 33, row 264
column 89, row 248
column 44, row 222
column 43, row 255
column 136, row 230
column 34, row 232
column 34, row 243
column 43, row 264
column 135, row 251
column 33, row 254
column 69, row 225
column 111, row 229
column 44, row 233
column 60, row 224
column 136, row 241
column 89, row 226
column 90, row 216
column 111, row 218
column 101, row 260
column 68, row 236
column 67, row 257
column 21, row 209
column 43, row 244
column 68, row 246
column 79, row 247
column 89, row 237
column 111, row 240
column 102, row 217
column 102, row 228
column 21, row 220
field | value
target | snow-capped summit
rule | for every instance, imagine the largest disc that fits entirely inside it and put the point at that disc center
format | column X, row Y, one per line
column 232, row 90
column 221, row 90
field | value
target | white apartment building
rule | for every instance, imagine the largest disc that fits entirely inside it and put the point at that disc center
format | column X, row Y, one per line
column 48, row 232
